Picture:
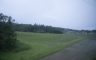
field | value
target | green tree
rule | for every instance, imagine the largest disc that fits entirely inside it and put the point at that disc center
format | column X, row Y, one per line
column 7, row 33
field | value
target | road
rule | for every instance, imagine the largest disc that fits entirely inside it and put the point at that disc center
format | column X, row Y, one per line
column 84, row 50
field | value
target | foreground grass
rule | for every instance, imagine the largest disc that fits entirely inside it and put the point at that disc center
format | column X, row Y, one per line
column 40, row 45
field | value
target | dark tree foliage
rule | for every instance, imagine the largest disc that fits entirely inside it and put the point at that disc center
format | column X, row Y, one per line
column 7, row 34
column 38, row 28
column 94, row 31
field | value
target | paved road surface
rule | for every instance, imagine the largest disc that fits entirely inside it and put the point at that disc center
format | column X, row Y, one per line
column 84, row 50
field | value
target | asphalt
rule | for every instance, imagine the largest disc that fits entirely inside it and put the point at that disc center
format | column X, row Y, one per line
column 84, row 50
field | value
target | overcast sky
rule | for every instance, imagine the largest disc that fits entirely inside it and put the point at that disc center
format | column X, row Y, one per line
column 75, row 14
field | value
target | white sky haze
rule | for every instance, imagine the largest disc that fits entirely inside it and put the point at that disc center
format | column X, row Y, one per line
column 75, row 14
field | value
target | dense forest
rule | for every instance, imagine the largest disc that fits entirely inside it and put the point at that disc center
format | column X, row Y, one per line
column 47, row 29
column 38, row 28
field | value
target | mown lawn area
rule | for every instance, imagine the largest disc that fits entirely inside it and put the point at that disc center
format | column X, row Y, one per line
column 40, row 45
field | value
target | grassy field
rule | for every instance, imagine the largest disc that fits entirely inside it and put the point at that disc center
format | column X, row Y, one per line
column 38, row 45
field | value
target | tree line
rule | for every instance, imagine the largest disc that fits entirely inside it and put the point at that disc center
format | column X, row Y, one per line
column 37, row 28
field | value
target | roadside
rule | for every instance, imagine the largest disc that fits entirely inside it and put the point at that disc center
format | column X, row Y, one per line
column 84, row 50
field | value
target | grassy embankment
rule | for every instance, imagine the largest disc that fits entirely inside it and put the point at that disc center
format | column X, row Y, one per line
column 40, row 45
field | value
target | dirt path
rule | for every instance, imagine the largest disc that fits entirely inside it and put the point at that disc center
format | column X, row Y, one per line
column 84, row 50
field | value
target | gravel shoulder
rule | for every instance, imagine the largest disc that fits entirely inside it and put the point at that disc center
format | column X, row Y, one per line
column 84, row 50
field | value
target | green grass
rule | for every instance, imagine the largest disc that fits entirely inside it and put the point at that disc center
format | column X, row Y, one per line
column 40, row 45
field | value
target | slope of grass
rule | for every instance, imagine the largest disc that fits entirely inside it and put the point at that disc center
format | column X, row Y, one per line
column 41, row 44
